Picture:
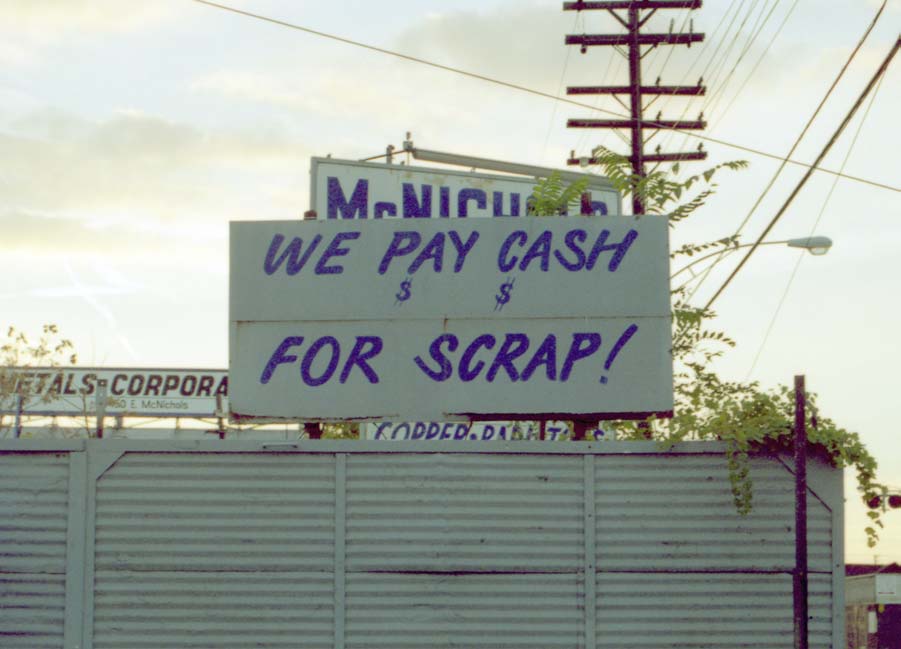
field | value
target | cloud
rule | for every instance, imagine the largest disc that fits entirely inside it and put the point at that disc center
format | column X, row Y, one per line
column 40, row 24
column 137, row 166
column 37, row 234
column 12, row 54
column 260, row 88
column 521, row 44
column 52, row 17
column 381, row 91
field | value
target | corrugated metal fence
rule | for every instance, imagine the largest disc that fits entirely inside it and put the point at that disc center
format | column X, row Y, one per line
column 127, row 545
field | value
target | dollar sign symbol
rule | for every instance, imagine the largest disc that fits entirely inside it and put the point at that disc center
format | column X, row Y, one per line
column 404, row 294
column 504, row 295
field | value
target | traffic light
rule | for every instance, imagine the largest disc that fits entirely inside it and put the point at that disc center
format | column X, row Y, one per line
column 885, row 501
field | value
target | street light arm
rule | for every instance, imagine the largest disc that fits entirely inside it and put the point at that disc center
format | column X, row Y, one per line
column 726, row 251
column 815, row 245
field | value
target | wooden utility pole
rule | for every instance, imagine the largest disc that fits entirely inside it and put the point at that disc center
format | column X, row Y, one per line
column 637, row 46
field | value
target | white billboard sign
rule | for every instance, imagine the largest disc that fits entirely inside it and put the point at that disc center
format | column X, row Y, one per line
column 433, row 320
column 343, row 189
column 72, row 391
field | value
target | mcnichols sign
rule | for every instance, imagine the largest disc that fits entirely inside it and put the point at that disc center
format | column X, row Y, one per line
column 436, row 319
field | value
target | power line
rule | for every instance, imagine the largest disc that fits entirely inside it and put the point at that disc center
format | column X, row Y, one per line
column 550, row 127
column 813, row 228
column 807, row 126
column 532, row 91
column 669, row 54
column 755, row 34
column 597, row 99
column 669, row 137
column 803, row 181
column 763, row 54
column 655, row 54
column 720, row 65
column 714, row 61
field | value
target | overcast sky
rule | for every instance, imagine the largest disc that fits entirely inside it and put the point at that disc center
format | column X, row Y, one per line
column 132, row 133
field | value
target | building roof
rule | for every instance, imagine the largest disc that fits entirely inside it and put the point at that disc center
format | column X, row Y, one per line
column 854, row 569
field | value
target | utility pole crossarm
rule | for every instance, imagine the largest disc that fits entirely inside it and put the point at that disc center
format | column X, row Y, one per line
column 636, row 4
column 684, row 125
column 591, row 40
column 693, row 91
column 648, row 157
column 637, row 45
column 675, row 157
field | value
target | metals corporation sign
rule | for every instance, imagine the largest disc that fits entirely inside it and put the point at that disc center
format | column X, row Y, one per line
column 433, row 319
column 135, row 392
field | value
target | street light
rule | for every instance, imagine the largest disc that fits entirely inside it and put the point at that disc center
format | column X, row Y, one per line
column 814, row 245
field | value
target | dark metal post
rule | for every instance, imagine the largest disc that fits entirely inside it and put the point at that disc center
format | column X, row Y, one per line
column 799, row 582
column 20, row 406
column 101, row 406
column 585, row 204
column 220, row 418
column 580, row 428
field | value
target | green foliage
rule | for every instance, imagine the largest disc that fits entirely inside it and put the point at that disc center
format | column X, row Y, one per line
column 718, row 245
column 743, row 415
column 49, row 350
column 659, row 190
column 19, row 350
column 340, row 430
column 552, row 197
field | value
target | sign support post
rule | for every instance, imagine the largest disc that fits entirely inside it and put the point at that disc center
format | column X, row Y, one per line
column 20, row 404
column 101, row 406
